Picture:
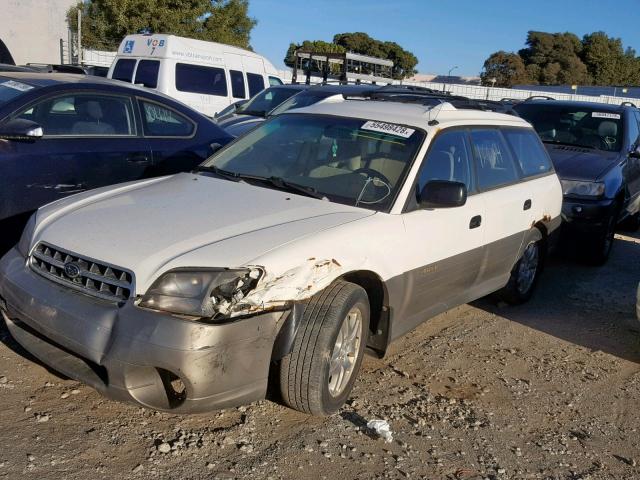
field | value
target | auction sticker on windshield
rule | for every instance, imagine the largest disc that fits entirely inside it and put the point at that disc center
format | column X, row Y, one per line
column 390, row 128
column 615, row 116
column 23, row 87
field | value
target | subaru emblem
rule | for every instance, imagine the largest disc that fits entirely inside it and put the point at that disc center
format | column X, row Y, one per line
column 71, row 270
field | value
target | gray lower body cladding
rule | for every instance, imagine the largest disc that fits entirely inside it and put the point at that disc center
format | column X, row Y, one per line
column 135, row 355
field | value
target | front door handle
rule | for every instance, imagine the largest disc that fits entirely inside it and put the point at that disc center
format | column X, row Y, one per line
column 475, row 221
column 138, row 159
column 527, row 204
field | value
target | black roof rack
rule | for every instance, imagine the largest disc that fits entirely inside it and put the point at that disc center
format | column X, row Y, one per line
column 432, row 98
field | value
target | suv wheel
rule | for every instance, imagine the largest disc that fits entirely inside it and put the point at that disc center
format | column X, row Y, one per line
column 319, row 373
column 524, row 275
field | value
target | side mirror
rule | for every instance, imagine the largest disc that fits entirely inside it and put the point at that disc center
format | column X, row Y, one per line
column 20, row 129
column 215, row 147
column 635, row 153
column 443, row 194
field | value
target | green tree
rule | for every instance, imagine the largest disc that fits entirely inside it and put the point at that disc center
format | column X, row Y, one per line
column 106, row 22
column 557, row 57
column 607, row 61
column 507, row 68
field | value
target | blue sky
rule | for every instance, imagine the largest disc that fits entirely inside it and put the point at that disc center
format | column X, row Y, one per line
column 441, row 33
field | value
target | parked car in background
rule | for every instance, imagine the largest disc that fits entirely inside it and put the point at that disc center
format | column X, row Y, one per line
column 595, row 148
column 207, row 76
column 97, row 70
column 304, row 97
column 62, row 134
column 259, row 106
column 323, row 231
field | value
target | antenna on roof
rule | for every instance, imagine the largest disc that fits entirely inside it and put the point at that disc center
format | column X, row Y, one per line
column 438, row 108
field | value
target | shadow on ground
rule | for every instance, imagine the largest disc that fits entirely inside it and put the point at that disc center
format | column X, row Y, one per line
column 593, row 307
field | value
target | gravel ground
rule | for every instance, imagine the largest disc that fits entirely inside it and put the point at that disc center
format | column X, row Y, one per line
column 546, row 390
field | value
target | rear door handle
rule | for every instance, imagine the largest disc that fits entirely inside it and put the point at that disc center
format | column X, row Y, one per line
column 475, row 221
column 138, row 159
column 527, row 204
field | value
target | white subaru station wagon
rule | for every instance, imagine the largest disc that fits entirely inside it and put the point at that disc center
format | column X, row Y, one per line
column 324, row 232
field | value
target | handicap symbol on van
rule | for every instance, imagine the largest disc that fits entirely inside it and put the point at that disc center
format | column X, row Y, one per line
column 128, row 46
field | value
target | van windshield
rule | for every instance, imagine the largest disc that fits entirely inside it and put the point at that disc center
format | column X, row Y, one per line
column 352, row 161
column 266, row 101
column 581, row 126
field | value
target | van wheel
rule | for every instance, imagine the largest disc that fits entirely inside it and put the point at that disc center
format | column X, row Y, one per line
column 319, row 373
column 524, row 276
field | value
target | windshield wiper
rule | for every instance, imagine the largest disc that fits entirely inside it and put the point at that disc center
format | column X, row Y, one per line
column 218, row 172
column 555, row 142
column 283, row 184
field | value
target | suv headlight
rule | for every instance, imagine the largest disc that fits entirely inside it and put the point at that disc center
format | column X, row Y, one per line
column 27, row 236
column 200, row 293
column 582, row 189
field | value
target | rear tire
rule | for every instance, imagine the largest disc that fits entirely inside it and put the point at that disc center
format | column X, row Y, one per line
column 524, row 275
column 319, row 373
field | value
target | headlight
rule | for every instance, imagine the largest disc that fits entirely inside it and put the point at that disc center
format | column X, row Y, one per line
column 582, row 189
column 27, row 236
column 200, row 293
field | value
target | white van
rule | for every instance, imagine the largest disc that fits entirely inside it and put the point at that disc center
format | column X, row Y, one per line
column 207, row 76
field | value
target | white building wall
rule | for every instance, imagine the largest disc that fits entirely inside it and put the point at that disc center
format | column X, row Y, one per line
column 32, row 29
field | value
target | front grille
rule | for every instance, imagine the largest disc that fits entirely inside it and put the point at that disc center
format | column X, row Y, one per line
column 86, row 275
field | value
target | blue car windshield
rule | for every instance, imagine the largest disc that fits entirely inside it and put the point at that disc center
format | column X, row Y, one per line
column 10, row 89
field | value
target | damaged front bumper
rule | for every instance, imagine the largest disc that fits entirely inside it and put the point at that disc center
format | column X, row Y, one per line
column 127, row 353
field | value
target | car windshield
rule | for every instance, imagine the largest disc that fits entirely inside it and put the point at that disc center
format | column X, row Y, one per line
column 10, row 89
column 265, row 101
column 346, row 160
column 300, row 100
column 577, row 125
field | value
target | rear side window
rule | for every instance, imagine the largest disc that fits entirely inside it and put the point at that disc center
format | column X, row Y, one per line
column 275, row 81
column 237, row 84
column 494, row 165
column 160, row 121
column 256, row 83
column 147, row 73
column 529, row 152
column 124, row 69
column 197, row 79
column 448, row 159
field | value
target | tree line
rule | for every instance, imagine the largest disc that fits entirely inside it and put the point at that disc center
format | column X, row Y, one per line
column 564, row 59
column 106, row 22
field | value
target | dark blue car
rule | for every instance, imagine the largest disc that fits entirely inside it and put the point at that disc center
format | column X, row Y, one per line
column 62, row 134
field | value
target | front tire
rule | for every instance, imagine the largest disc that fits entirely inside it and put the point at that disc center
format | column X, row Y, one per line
column 524, row 275
column 319, row 373
column 599, row 247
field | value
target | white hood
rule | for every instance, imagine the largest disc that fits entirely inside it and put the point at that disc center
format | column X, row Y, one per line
column 146, row 225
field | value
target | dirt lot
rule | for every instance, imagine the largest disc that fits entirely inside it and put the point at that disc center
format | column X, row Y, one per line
column 546, row 390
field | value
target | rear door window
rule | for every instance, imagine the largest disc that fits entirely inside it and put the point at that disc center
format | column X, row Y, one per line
column 147, row 73
column 494, row 165
column 237, row 84
column 124, row 69
column 160, row 121
column 530, row 154
column 198, row 79
column 256, row 83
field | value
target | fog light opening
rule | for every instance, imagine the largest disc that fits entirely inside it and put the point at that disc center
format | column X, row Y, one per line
column 174, row 387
